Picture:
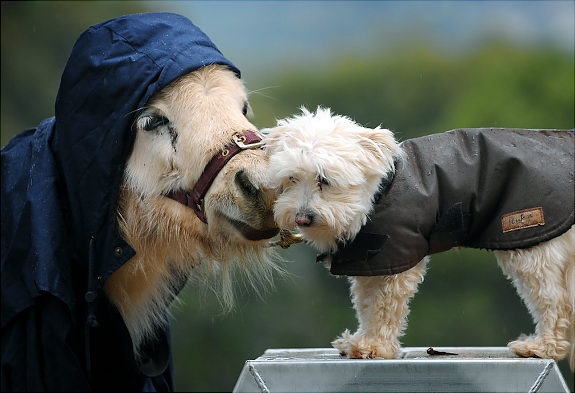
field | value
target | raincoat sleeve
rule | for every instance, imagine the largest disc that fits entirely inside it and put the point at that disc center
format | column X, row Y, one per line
column 36, row 351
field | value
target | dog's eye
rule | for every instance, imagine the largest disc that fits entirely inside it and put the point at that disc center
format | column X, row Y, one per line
column 152, row 121
column 322, row 180
column 292, row 179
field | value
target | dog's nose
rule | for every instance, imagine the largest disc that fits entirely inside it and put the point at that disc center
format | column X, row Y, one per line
column 304, row 218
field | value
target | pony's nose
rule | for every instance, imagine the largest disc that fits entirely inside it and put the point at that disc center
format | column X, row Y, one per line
column 245, row 185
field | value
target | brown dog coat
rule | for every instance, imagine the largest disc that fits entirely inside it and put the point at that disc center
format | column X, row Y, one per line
column 481, row 188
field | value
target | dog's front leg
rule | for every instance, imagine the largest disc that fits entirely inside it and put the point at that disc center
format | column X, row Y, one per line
column 382, row 305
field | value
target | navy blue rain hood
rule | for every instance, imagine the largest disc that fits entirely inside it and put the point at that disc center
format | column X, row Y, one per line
column 60, row 180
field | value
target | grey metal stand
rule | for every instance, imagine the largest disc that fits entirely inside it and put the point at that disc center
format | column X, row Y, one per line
column 481, row 369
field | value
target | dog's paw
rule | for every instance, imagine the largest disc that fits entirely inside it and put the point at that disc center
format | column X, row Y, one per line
column 357, row 346
column 535, row 346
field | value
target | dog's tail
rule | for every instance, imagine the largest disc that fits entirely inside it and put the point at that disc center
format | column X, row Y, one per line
column 570, row 275
column 570, row 282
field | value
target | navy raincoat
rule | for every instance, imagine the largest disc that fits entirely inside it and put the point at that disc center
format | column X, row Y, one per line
column 60, row 241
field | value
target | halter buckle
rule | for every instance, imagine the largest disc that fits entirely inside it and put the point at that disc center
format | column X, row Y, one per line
column 248, row 139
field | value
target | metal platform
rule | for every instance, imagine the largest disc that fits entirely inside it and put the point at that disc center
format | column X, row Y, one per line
column 481, row 369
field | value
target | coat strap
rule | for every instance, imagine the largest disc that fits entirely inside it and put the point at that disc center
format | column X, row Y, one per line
column 90, row 298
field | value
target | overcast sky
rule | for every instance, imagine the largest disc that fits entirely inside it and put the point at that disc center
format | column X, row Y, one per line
column 260, row 35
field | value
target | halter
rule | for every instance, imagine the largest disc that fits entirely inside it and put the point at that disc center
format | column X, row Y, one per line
column 194, row 199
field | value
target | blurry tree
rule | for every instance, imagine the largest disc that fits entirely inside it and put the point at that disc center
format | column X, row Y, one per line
column 419, row 90
column 465, row 300
column 37, row 37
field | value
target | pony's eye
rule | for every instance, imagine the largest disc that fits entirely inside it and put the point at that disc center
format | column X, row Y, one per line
column 152, row 121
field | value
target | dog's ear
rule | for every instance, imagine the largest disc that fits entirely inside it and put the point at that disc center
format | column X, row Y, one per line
column 273, row 138
column 381, row 145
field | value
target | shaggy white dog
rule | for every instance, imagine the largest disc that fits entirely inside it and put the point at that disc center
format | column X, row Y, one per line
column 332, row 172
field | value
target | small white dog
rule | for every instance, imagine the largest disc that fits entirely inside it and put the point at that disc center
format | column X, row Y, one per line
column 376, row 209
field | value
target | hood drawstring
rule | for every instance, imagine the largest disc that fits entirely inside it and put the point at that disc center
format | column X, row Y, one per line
column 90, row 298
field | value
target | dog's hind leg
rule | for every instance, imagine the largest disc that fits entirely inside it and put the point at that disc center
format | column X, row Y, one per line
column 544, row 277
column 381, row 304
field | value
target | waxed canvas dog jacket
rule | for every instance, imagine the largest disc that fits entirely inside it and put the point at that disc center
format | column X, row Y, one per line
column 489, row 188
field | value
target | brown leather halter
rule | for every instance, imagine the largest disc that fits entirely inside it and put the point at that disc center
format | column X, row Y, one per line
column 194, row 199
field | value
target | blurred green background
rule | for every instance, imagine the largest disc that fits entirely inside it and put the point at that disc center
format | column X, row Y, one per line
column 413, row 67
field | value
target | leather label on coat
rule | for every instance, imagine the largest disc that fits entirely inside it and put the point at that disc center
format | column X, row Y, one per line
column 522, row 219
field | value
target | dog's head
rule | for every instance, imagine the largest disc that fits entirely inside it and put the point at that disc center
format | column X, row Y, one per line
column 327, row 169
